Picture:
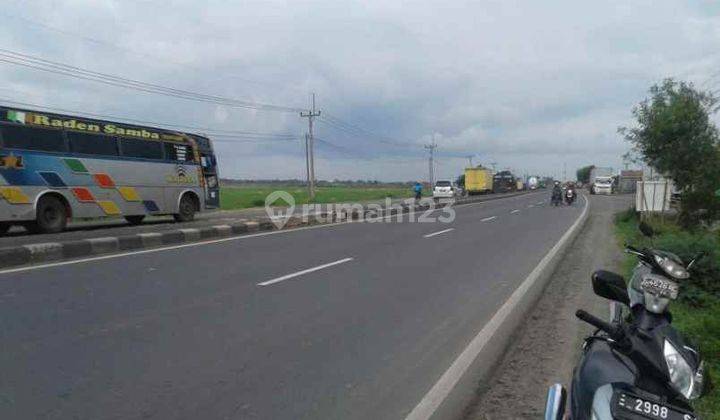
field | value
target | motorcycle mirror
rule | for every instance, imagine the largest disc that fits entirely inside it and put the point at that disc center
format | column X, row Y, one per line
column 646, row 230
column 610, row 286
column 697, row 257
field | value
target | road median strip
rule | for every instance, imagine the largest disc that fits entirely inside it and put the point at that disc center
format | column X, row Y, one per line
column 31, row 254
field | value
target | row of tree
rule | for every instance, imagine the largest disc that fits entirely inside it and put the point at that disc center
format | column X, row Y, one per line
column 583, row 174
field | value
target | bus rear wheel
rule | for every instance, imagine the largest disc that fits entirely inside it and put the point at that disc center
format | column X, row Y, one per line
column 186, row 212
column 51, row 216
column 135, row 220
column 4, row 227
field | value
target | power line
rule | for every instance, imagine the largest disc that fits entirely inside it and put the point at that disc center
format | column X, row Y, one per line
column 237, row 139
column 362, row 132
column 341, row 149
column 41, row 64
column 204, row 130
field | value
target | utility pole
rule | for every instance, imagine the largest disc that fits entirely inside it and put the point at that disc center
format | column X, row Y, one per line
column 310, row 147
column 307, row 161
column 469, row 158
column 431, row 148
column 493, row 164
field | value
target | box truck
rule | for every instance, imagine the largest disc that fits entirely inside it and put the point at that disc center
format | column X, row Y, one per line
column 478, row 180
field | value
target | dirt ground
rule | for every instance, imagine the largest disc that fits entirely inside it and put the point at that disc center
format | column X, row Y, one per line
column 549, row 344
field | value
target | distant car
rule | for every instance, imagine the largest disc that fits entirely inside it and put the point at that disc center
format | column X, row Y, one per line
column 444, row 189
column 602, row 185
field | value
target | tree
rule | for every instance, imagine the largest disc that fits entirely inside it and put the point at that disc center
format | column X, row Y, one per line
column 674, row 135
column 583, row 174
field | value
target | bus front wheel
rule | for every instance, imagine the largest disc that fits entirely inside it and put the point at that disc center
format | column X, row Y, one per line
column 186, row 212
column 51, row 216
column 135, row 220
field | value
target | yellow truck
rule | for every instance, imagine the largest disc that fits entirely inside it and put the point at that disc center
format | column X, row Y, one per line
column 478, row 180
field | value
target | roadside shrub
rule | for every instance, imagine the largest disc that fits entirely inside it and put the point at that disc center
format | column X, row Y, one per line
column 626, row 216
column 258, row 203
column 704, row 282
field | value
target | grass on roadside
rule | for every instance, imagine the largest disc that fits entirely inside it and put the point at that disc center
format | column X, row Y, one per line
column 240, row 197
column 697, row 313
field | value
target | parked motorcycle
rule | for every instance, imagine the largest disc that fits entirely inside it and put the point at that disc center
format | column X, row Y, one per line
column 570, row 196
column 637, row 366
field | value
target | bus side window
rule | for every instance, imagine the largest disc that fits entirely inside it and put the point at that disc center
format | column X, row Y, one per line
column 92, row 144
column 178, row 152
column 44, row 139
column 145, row 149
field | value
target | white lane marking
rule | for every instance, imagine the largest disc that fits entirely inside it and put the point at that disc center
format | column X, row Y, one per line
column 302, row 272
column 430, row 235
column 214, row 241
column 441, row 389
column 540, row 202
column 531, row 206
column 487, row 219
column 515, row 211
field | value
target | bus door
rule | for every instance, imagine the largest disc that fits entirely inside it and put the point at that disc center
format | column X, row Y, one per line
column 212, row 186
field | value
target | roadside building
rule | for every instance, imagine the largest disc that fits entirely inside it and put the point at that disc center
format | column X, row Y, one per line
column 627, row 182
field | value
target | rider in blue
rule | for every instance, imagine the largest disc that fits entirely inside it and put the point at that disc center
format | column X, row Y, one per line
column 418, row 190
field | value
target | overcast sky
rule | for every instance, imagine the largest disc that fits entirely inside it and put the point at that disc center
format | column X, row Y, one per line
column 533, row 86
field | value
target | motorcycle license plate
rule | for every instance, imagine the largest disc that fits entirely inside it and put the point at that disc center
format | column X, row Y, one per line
column 630, row 406
column 660, row 287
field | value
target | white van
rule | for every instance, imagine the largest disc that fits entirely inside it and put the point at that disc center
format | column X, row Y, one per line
column 602, row 185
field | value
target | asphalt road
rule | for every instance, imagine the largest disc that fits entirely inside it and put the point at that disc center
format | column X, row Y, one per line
column 354, row 320
column 116, row 226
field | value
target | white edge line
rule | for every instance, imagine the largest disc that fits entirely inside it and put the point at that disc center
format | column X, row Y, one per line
column 430, row 235
column 214, row 241
column 487, row 219
column 441, row 389
column 515, row 211
column 301, row 272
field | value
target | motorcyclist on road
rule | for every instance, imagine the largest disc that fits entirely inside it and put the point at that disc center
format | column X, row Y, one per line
column 570, row 194
column 556, row 193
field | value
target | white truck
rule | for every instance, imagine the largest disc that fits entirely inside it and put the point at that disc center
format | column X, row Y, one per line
column 601, row 180
column 533, row 183
column 602, row 185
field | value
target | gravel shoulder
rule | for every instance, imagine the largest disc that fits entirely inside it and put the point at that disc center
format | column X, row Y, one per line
column 547, row 346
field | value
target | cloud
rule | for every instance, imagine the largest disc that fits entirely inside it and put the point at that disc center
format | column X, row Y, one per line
column 534, row 86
